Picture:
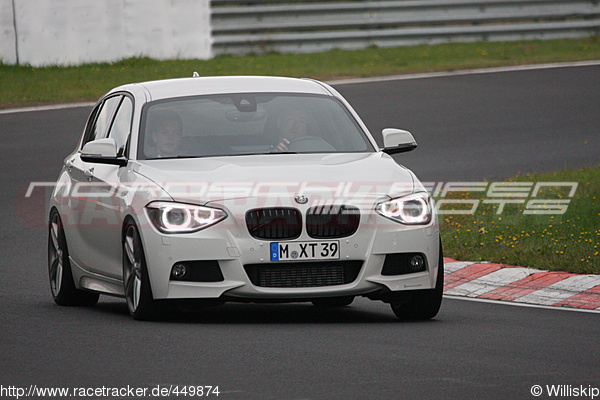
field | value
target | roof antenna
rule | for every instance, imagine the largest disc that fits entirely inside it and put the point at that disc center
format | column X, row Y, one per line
column 195, row 75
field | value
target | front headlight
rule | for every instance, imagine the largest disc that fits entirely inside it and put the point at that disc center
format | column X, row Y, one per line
column 182, row 218
column 415, row 209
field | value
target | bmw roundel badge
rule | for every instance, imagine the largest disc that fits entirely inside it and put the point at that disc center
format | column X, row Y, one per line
column 301, row 199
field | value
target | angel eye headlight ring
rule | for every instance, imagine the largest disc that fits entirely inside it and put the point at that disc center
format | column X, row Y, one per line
column 414, row 209
column 170, row 217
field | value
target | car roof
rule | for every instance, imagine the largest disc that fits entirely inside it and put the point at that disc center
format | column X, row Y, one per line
column 196, row 86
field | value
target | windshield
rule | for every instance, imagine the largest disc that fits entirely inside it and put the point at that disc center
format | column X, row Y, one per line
column 241, row 124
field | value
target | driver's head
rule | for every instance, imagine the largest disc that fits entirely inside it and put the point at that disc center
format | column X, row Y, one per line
column 293, row 124
column 167, row 130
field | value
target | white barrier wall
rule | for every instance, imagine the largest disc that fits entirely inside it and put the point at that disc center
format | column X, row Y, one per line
column 71, row 32
column 8, row 53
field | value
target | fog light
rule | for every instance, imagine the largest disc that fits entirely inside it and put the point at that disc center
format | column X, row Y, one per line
column 178, row 271
column 417, row 262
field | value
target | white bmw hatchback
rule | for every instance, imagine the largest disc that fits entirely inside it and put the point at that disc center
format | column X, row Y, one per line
column 254, row 189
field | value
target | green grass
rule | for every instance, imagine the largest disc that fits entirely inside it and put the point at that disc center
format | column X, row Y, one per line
column 568, row 242
column 21, row 85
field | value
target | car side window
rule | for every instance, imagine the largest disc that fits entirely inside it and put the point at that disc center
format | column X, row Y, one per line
column 120, row 128
column 98, row 127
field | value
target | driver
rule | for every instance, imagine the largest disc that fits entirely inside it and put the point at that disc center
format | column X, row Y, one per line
column 166, row 133
column 292, row 126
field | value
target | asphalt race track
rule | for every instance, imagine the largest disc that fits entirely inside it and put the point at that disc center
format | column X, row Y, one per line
column 469, row 127
column 486, row 126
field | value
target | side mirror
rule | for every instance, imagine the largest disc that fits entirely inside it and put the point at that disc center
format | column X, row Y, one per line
column 397, row 141
column 102, row 151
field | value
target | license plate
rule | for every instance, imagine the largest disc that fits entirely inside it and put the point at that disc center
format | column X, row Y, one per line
column 329, row 250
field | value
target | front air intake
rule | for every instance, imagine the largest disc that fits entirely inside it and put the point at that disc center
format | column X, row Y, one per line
column 303, row 274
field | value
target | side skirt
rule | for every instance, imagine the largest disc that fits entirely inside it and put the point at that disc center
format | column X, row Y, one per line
column 85, row 279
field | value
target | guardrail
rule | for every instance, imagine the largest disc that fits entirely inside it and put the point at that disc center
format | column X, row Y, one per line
column 242, row 27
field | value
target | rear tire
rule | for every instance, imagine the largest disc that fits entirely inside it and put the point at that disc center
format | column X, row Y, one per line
column 423, row 304
column 62, row 284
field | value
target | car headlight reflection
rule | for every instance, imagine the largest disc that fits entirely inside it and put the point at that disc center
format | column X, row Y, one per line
column 415, row 209
column 183, row 218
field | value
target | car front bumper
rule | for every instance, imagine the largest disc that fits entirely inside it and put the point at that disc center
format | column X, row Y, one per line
column 230, row 244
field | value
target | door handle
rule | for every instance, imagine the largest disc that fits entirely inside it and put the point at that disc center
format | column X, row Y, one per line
column 89, row 173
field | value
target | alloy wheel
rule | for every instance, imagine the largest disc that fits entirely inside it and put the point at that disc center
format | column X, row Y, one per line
column 133, row 268
column 56, row 255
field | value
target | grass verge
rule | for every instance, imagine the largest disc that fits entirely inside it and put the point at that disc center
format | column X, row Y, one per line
column 22, row 85
column 564, row 242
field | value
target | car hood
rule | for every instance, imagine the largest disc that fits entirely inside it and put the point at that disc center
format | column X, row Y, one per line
column 214, row 179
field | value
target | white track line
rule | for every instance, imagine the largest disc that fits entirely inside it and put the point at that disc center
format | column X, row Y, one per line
column 371, row 80
column 45, row 108
column 510, row 303
column 514, row 68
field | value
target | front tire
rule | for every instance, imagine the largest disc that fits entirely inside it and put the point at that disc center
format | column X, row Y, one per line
column 138, row 293
column 423, row 304
column 62, row 284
